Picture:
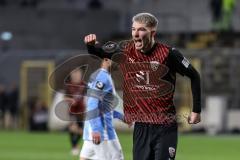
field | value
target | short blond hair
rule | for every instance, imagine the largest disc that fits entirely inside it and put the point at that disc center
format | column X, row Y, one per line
column 146, row 18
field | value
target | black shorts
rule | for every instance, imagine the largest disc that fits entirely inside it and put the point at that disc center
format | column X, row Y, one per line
column 78, row 120
column 154, row 142
column 80, row 124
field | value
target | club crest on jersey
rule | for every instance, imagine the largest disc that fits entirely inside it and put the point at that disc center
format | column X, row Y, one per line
column 154, row 65
column 185, row 62
column 172, row 152
column 142, row 76
column 99, row 85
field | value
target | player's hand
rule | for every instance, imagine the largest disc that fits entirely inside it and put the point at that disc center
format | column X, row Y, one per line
column 90, row 39
column 130, row 124
column 96, row 137
column 194, row 118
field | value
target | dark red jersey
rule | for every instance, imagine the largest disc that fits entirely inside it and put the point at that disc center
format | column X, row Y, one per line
column 147, row 95
column 76, row 91
column 149, row 81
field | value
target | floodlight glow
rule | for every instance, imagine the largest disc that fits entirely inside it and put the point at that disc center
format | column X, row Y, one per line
column 6, row 36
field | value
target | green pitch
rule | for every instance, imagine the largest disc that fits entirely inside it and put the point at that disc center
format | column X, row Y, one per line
column 55, row 146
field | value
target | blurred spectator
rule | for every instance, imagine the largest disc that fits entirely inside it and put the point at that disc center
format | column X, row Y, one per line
column 227, row 9
column 3, row 102
column 95, row 4
column 75, row 88
column 12, row 104
column 216, row 9
column 38, row 116
column 222, row 12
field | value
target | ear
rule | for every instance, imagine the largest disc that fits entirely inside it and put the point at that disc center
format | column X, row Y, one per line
column 153, row 33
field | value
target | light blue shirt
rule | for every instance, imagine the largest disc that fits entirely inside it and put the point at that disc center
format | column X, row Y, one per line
column 100, row 106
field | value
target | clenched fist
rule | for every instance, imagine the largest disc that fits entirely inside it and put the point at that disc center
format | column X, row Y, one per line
column 194, row 118
column 90, row 39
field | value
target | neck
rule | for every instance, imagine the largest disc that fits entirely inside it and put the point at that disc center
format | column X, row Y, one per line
column 104, row 67
column 149, row 47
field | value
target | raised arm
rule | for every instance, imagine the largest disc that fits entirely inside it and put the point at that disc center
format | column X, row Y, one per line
column 94, row 47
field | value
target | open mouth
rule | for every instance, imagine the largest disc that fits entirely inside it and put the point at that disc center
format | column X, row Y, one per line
column 138, row 42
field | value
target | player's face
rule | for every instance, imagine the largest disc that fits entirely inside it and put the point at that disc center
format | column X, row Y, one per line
column 142, row 36
column 107, row 62
column 76, row 76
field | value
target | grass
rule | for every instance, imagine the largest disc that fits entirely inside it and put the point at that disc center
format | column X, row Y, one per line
column 55, row 146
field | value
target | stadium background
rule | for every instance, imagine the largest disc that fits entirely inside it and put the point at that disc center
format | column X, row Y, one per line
column 38, row 35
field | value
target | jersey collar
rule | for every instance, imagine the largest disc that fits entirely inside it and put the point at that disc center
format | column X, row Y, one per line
column 102, row 69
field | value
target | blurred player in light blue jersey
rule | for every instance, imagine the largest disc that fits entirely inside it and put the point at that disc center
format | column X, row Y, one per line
column 100, row 138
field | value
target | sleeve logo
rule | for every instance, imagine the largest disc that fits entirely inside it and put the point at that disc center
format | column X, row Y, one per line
column 99, row 85
column 185, row 62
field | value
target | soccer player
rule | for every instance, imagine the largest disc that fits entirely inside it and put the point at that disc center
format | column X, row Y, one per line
column 74, row 95
column 100, row 138
column 149, row 73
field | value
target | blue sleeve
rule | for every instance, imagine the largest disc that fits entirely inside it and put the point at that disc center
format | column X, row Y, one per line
column 118, row 115
column 93, row 104
column 95, row 120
